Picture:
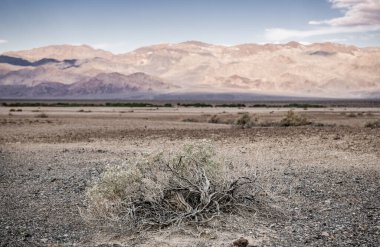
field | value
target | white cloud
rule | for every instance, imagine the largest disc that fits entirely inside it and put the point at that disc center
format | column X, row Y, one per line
column 3, row 41
column 359, row 16
column 356, row 13
column 278, row 34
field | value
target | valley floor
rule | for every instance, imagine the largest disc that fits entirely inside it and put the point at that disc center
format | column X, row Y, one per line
column 323, row 181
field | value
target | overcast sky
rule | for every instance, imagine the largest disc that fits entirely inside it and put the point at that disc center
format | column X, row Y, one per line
column 123, row 25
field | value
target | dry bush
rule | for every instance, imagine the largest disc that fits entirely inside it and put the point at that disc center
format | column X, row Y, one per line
column 373, row 124
column 294, row 119
column 352, row 114
column 222, row 119
column 246, row 121
column 15, row 110
column 42, row 115
column 214, row 119
column 192, row 186
column 85, row 111
column 190, row 120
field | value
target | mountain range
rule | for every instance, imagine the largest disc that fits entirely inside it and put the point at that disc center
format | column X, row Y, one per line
column 192, row 67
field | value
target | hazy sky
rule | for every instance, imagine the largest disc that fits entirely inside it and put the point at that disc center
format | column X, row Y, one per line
column 123, row 25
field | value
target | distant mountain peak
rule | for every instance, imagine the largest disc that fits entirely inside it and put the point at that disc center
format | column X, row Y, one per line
column 60, row 52
column 294, row 44
column 196, row 43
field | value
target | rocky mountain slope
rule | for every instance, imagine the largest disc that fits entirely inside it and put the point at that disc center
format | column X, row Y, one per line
column 292, row 69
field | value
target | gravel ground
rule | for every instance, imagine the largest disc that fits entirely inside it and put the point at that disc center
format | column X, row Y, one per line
column 324, row 180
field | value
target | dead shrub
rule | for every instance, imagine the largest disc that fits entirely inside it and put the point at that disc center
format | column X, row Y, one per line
column 352, row 114
column 85, row 111
column 294, row 119
column 373, row 124
column 42, row 115
column 214, row 119
column 192, row 186
column 190, row 120
column 246, row 121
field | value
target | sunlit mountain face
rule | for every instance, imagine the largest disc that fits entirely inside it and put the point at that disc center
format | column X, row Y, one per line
column 291, row 69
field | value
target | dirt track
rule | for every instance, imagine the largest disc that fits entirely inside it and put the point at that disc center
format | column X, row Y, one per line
column 326, row 180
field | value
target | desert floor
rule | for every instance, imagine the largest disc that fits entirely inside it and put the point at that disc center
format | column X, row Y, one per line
column 323, row 181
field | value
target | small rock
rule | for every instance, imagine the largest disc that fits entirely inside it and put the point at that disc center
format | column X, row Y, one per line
column 241, row 242
column 325, row 234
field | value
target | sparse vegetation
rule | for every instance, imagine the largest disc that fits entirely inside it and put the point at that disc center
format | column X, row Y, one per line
column 42, row 115
column 294, row 119
column 352, row 115
column 15, row 110
column 86, row 111
column 191, row 186
column 214, row 119
column 231, row 105
column 246, row 121
column 291, row 105
column 373, row 124
column 82, row 104
column 190, row 120
column 195, row 105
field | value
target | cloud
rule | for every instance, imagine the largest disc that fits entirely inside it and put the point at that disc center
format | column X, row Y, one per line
column 359, row 16
column 356, row 13
column 276, row 34
column 3, row 41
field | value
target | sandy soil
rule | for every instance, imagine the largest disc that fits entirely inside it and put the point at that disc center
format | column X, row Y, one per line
column 324, row 180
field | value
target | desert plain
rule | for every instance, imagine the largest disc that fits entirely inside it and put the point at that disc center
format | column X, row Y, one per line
column 321, row 181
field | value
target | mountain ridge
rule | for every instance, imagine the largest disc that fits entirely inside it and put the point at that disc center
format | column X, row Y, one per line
column 293, row 69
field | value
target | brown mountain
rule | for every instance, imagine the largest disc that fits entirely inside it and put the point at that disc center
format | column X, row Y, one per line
column 318, row 70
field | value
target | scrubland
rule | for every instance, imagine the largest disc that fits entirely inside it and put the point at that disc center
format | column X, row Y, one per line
column 122, row 176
